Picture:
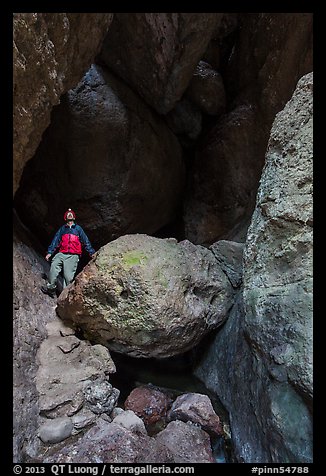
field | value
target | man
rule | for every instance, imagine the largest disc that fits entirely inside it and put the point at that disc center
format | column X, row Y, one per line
column 69, row 238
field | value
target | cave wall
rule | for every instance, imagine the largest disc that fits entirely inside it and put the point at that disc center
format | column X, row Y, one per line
column 31, row 313
column 107, row 156
column 260, row 364
column 51, row 52
column 271, row 51
column 259, row 58
column 163, row 51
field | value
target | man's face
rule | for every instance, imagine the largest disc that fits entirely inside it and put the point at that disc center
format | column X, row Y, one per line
column 70, row 216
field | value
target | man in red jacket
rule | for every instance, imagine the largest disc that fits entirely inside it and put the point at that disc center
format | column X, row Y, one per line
column 69, row 239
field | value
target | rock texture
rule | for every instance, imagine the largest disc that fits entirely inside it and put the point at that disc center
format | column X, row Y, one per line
column 224, row 176
column 229, row 255
column 272, row 51
column 31, row 312
column 206, row 90
column 185, row 120
column 100, row 396
column 150, row 404
column 129, row 420
column 110, row 443
column 108, row 157
column 51, row 52
column 265, row 348
column 196, row 408
column 278, row 253
column 56, row 430
column 148, row 297
column 52, row 367
column 156, row 53
column 68, row 371
column 186, row 442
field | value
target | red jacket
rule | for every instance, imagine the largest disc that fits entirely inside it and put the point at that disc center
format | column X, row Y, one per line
column 70, row 240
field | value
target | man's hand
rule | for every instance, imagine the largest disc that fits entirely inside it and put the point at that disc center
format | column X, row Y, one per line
column 48, row 256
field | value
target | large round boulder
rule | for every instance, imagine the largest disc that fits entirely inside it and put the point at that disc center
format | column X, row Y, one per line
column 148, row 297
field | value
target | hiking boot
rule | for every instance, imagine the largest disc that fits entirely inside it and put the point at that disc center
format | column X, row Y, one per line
column 49, row 292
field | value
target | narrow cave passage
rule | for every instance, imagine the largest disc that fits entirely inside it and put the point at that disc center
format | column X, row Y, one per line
column 157, row 140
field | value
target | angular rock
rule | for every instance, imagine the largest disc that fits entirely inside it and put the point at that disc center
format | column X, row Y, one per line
column 148, row 297
column 278, row 254
column 116, row 411
column 56, row 430
column 224, row 177
column 110, row 157
column 82, row 420
column 110, row 443
column 31, row 312
column 51, row 52
column 171, row 45
column 100, row 396
column 229, row 255
column 272, row 51
column 196, row 408
column 63, row 376
column 129, row 420
column 226, row 369
column 206, row 90
column 151, row 405
column 260, row 363
column 186, row 442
